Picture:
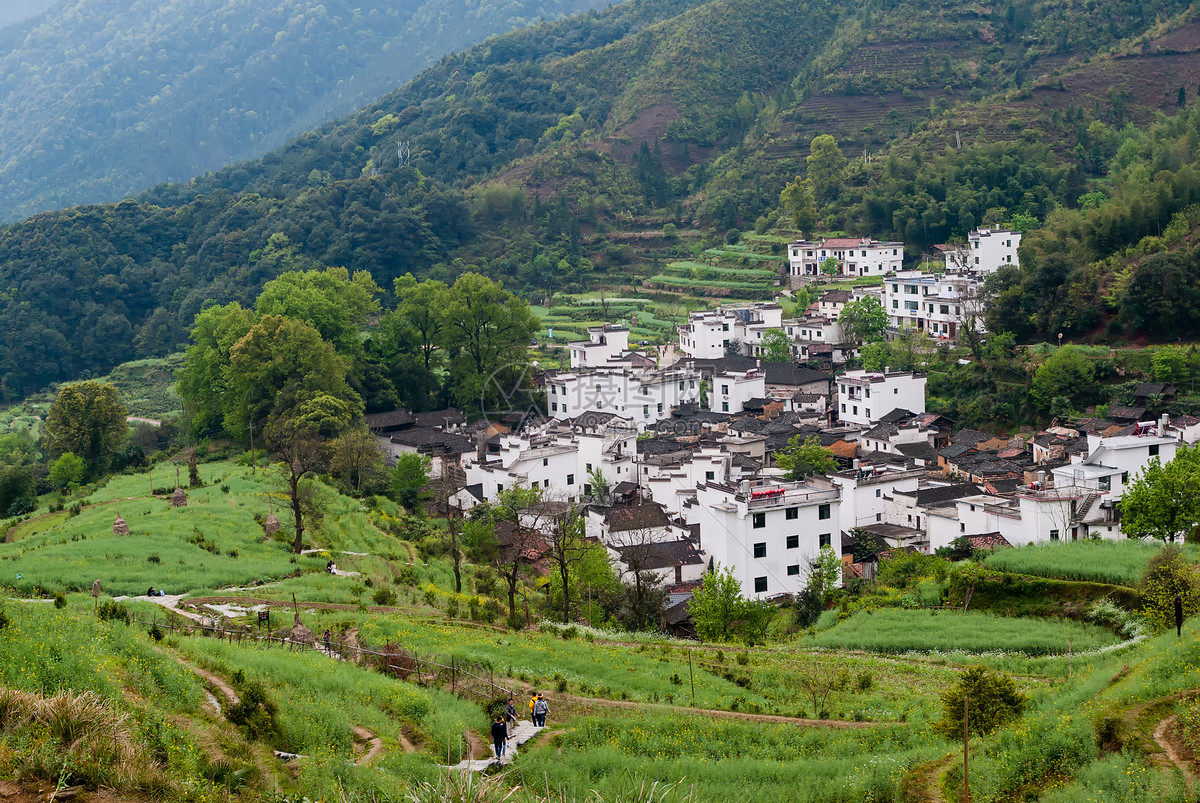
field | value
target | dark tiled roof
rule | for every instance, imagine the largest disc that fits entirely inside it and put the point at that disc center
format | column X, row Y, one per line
column 678, row 614
column 1154, row 388
column 970, row 436
column 635, row 517
column 957, row 450
column 720, row 365
column 660, row 555
column 624, row 487
column 1121, row 413
column 394, row 418
column 836, row 297
column 475, row 490
column 787, row 373
column 428, row 440
column 919, row 451
column 440, row 418
column 925, row 497
column 660, row 445
column 881, row 432
column 897, row 415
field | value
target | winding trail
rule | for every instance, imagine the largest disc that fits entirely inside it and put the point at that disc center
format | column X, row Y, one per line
column 374, row 743
column 1164, row 737
column 923, row 783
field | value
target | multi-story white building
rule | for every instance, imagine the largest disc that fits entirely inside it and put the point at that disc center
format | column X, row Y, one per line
column 706, row 334
column 769, row 533
column 992, row 249
column 645, row 397
column 943, row 306
column 561, row 464
column 858, row 256
column 864, row 396
column 604, row 345
column 866, row 490
column 731, row 390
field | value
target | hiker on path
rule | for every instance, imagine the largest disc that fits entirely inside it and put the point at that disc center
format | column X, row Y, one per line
column 499, row 736
column 326, row 638
column 540, row 709
column 510, row 714
column 150, row 591
column 532, row 699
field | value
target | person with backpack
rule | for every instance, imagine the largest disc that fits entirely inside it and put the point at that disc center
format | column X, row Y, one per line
column 540, row 709
column 499, row 736
column 532, row 699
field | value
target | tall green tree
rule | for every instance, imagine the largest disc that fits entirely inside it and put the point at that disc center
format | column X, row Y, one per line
column 87, row 419
column 1163, row 501
column 332, row 301
column 826, row 167
column 992, row 699
column 864, row 320
column 716, row 604
column 423, row 307
column 409, row 481
column 776, row 346
column 797, row 201
column 283, row 369
column 1067, row 372
column 203, row 379
column 487, row 334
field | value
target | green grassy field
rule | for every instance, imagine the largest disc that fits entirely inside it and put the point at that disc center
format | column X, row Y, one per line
column 215, row 541
column 1118, row 562
column 898, row 631
column 729, row 761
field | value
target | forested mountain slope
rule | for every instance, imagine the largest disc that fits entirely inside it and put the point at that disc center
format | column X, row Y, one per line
column 527, row 147
column 103, row 98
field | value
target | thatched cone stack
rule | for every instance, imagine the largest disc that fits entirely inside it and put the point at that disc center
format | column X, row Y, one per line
column 300, row 634
column 179, row 498
column 271, row 526
column 120, row 527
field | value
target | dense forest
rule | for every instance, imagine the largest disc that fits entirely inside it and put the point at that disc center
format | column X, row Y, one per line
column 529, row 151
column 103, row 98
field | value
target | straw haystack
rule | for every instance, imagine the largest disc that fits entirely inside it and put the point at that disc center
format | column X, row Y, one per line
column 120, row 527
column 179, row 498
column 300, row 634
column 271, row 525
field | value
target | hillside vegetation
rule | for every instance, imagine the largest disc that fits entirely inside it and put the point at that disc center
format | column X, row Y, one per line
column 103, row 98
column 141, row 702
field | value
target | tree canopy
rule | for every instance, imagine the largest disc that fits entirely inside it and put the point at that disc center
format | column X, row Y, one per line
column 87, row 419
column 1163, row 500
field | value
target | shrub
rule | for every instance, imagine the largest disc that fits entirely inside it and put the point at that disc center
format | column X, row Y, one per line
column 993, row 701
column 60, row 601
column 1168, row 575
column 112, row 611
column 255, row 713
column 384, row 597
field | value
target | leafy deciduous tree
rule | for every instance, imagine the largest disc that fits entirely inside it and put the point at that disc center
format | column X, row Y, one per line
column 805, row 456
column 87, row 419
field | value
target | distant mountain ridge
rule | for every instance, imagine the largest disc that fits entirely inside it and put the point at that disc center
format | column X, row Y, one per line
column 100, row 99
column 13, row 11
column 529, row 149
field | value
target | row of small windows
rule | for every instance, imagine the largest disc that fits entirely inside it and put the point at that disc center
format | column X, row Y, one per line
column 789, row 514
column 793, row 542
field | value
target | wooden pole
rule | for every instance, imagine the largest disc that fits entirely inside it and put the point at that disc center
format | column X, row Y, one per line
column 966, row 740
column 1070, row 661
column 692, row 678
column 252, row 460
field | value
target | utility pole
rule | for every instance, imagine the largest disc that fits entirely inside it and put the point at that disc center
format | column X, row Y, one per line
column 966, row 739
column 252, row 458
